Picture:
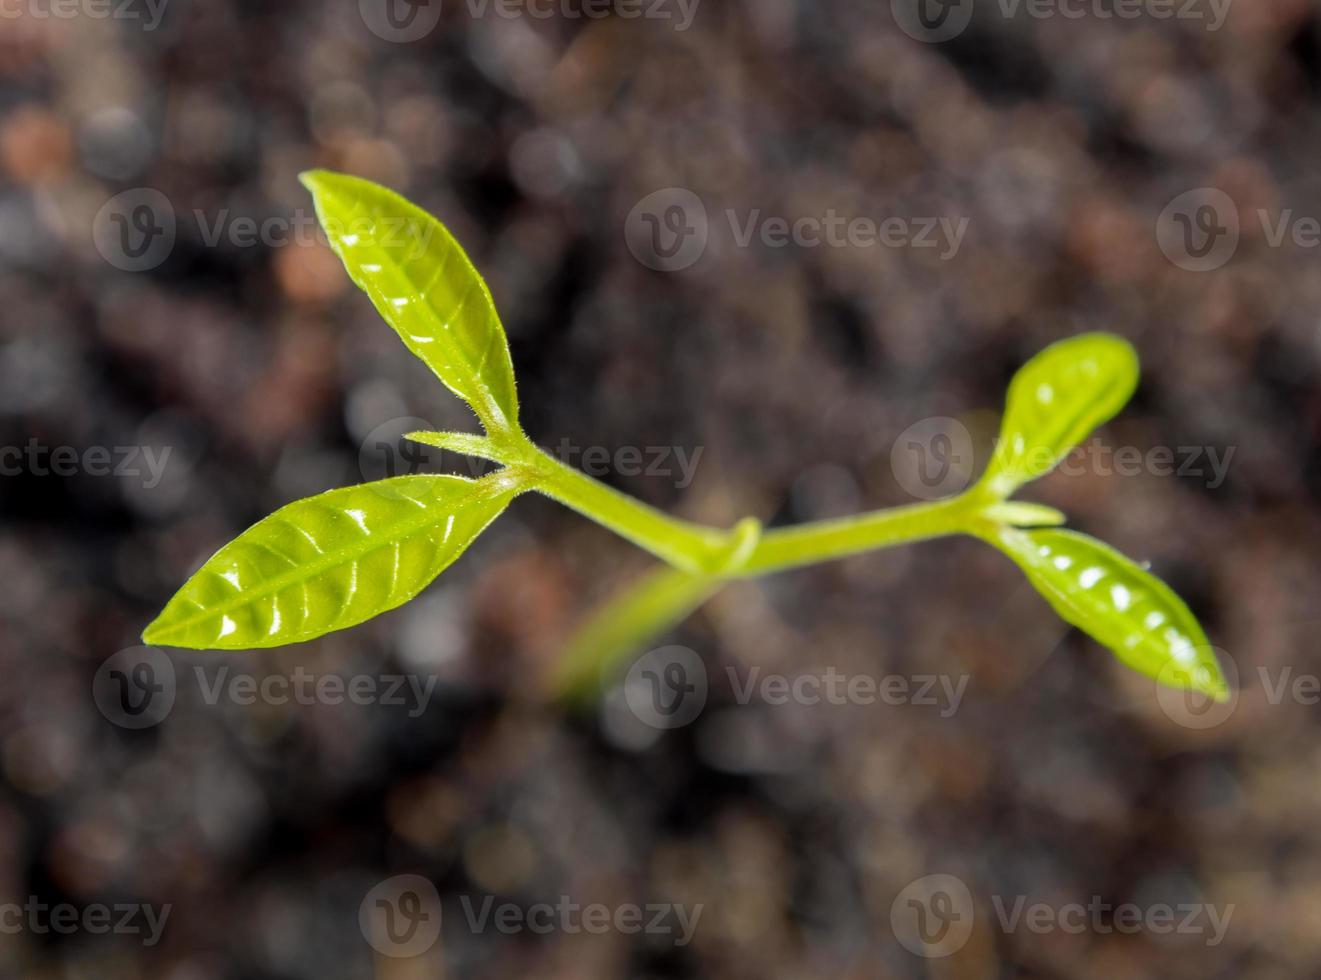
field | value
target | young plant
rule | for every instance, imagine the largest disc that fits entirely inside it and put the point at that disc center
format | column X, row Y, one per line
column 334, row 560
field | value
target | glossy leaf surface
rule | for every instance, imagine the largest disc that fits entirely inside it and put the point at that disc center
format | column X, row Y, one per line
column 423, row 285
column 1055, row 401
column 1118, row 604
column 330, row 561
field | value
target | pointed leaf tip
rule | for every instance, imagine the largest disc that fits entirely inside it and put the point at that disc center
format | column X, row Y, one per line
column 424, row 286
column 1119, row 604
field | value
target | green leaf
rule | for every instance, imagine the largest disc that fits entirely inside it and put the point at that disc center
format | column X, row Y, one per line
column 645, row 610
column 1055, row 400
column 1019, row 513
column 464, row 443
column 1118, row 604
column 330, row 561
column 424, row 286
column 626, row 624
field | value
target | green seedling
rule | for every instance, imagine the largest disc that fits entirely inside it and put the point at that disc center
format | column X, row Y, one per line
column 335, row 560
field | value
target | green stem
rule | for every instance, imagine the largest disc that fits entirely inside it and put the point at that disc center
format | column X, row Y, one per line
column 703, row 550
column 691, row 547
column 820, row 541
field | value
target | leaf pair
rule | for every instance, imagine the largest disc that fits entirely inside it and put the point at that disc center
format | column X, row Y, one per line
column 337, row 559
column 1055, row 401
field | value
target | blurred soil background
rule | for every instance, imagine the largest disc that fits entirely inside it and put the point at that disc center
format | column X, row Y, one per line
column 258, row 374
